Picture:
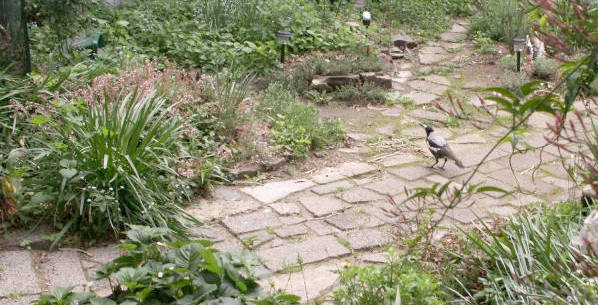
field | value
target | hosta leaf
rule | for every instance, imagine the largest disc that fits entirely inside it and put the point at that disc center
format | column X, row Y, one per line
column 97, row 301
column 68, row 173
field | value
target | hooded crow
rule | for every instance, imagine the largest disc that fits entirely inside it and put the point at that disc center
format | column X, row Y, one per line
column 438, row 147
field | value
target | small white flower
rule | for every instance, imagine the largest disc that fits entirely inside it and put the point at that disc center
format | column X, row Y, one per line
column 186, row 278
column 110, row 189
column 123, row 288
column 160, row 274
column 170, row 268
column 122, row 187
column 88, row 199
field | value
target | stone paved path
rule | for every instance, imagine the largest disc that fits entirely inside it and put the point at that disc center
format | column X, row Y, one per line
column 335, row 215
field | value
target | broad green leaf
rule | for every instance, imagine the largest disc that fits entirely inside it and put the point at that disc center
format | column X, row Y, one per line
column 68, row 173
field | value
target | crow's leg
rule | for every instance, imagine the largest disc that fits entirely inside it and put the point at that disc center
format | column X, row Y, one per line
column 434, row 162
column 443, row 164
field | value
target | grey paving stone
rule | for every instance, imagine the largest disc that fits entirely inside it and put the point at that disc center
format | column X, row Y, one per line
column 289, row 231
column 274, row 191
column 396, row 160
column 388, row 130
column 309, row 251
column 432, row 50
column 470, row 139
column 292, row 220
column 359, row 195
column 63, row 268
column 503, row 211
column 426, row 86
column 321, row 206
column 393, row 112
column 453, row 36
column 228, row 245
column 256, row 239
column 227, row 193
column 430, row 58
column 387, row 186
column 539, row 120
column 351, row 220
column 464, row 216
column 375, row 258
column 17, row 275
column 560, row 183
column 428, row 115
column 351, row 169
column 327, row 175
column 285, row 208
column 251, row 222
column 381, row 211
column 472, row 155
column 208, row 210
column 411, row 173
column 332, row 187
column 404, row 74
column 366, row 239
column 24, row 300
column 101, row 255
column 439, row 79
column 523, row 200
column 457, row 28
column 310, row 283
column 320, row 228
column 421, row 98
column 477, row 102
column 210, row 232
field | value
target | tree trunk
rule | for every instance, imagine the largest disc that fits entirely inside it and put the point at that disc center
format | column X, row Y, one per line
column 14, row 41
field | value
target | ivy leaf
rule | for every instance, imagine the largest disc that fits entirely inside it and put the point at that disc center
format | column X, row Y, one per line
column 68, row 173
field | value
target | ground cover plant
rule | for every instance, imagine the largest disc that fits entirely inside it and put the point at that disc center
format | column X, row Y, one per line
column 158, row 271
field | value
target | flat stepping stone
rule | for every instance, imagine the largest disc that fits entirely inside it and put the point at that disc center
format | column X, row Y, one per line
column 439, row 79
column 310, row 283
column 428, row 115
column 345, row 170
column 430, row 58
column 256, row 239
column 292, row 220
column 228, row 245
column 470, row 139
column 396, row 160
column 251, row 222
column 477, row 102
column 63, row 268
column 209, row 232
column 309, row 251
column 387, row 186
column 351, row 220
column 227, row 193
column 359, row 195
column 404, row 74
column 503, row 211
column 375, row 258
column 274, row 191
column 320, row 228
column 393, row 112
column 471, row 156
column 458, row 28
column 412, row 173
column 289, row 231
column 338, row 186
column 366, row 239
column 429, row 87
column 285, row 209
column 216, row 209
column 453, row 36
column 321, row 206
column 539, row 120
column 464, row 216
column 387, row 130
column 17, row 275
column 421, row 98
column 432, row 50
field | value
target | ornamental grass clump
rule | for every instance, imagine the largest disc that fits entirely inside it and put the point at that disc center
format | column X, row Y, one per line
column 109, row 165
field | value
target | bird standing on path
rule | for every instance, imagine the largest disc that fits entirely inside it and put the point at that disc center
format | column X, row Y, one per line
column 439, row 148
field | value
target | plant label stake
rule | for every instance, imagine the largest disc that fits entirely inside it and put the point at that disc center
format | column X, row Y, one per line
column 518, row 45
column 283, row 39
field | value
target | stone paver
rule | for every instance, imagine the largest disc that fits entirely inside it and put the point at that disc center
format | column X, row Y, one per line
column 387, row 186
column 310, row 251
column 439, row 79
column 426, row 86
column 24, row 300
column 421, row 98
column 453, row 36
column 309, row 283
column 256, row 239
column 351, row 220
column 428, row 115
column 251, row 222
column 289, row 231
column 411, row 173
column 292, row 220
column 285, row 209
column 375, row 258
column 320, row 228
column 273, row 191
column 321, row 206
column 63, row 268
column 396, row 160
column 359, row 195
column 366, row 239
column 338, row 186
column 394, row 112
column 227, row 193
column 17, row 275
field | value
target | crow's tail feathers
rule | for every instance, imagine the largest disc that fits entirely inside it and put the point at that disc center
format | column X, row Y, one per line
column 458, row 162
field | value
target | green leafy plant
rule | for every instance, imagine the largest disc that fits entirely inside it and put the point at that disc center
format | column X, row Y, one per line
column 401, row 280
column 501, row 20
column 531, row 260
column 545, row 68
column 158, row 271
column 509, row 62
column 483, row 43
column 108, row 165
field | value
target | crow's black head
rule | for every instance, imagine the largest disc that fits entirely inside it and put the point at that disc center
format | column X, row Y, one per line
column 427, row 128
